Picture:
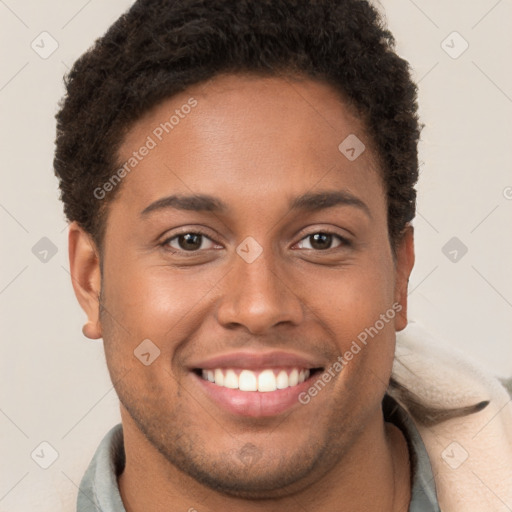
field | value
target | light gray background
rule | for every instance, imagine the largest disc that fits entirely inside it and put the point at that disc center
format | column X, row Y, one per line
column 54, row 383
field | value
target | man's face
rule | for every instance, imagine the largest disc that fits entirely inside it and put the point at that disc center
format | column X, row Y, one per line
column 255, row 145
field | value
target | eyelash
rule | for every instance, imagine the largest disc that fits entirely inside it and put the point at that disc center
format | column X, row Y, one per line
column 344, row 242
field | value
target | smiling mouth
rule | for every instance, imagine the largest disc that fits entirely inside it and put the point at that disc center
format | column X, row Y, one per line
column 264, row 381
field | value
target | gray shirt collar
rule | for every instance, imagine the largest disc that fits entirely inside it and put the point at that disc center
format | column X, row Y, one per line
column 99, row 491
column 423, row 487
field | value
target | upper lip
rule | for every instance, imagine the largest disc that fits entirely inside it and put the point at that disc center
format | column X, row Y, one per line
column 255, row 360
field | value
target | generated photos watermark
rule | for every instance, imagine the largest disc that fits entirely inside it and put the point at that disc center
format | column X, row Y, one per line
column 329, row 373
column 157, row 135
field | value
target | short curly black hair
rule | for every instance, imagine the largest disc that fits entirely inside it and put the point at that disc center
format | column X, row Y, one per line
column 158, row 48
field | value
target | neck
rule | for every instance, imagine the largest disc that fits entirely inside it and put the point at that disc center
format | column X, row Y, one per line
column 375, row 470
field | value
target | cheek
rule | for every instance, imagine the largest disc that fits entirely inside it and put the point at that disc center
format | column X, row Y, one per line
column 357, row 305
column 354, row 298
column 155, row 302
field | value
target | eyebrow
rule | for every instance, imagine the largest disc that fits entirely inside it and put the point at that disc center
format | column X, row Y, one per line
column 196, row 202
column 309, row 202
column 312, row 202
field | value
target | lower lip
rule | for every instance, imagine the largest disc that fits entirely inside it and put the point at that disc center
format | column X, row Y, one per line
column 254, row 404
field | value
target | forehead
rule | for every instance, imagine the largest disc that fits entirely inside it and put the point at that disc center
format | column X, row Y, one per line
column 248, row 136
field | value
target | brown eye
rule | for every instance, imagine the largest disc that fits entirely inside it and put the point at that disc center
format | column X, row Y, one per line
column 189, row 242
column 320, row 241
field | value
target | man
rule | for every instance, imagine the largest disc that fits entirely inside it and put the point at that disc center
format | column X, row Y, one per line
column 239, row 178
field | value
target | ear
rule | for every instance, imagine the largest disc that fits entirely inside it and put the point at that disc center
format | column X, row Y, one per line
column 404, row 264
column 84, row 263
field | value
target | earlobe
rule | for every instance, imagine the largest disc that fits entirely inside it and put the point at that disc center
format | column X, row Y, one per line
column 404, row 265
column 84, row 264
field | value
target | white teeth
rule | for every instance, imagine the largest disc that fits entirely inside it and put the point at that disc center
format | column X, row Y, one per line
column 282, row 380
column 293, row 379
column 266, row 381
column 247, row 381
column 219, row 377
column 231, row 380
column 263, row 381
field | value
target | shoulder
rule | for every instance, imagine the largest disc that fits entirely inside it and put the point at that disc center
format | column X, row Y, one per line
column 471, row 455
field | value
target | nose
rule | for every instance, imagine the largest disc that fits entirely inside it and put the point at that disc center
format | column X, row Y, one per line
column 259, row 296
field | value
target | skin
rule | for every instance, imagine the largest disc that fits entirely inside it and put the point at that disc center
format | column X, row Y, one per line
column 254, row 143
